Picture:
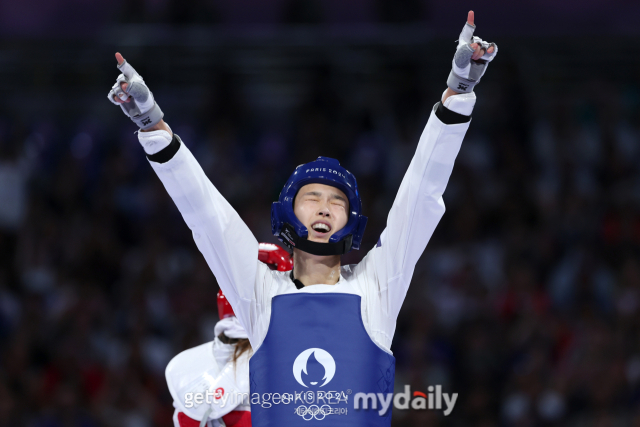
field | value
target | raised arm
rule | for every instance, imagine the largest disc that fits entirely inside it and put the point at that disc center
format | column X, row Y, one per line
column 418, row 206
column 226, row 242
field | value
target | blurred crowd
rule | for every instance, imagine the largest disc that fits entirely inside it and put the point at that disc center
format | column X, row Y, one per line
column 525, row 303
column 287, row 12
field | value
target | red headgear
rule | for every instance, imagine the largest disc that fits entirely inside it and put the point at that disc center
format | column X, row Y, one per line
column 224, row 308
column 272, row 255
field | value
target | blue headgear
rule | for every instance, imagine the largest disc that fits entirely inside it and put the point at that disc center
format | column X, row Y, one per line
column 286, row 226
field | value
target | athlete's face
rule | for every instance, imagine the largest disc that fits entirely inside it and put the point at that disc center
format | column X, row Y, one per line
column 323, row 209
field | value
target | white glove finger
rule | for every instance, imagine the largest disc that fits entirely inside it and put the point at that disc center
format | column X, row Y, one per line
column 124, row 94
column 111, row 96
column 466, row 36
column 121, row 79
column 489, row 56
column 128, row 71
column 486, row 45
column 120, row 93
column 117, row 86
column 482, row 43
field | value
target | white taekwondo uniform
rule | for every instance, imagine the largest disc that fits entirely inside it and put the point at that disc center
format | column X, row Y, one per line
column 381, row 279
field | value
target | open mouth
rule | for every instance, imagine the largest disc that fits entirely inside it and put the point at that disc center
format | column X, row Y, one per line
column 321, row 227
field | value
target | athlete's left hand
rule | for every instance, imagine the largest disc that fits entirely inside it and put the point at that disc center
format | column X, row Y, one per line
column 471, row 59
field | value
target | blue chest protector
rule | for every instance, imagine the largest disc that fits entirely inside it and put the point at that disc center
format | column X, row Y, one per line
column 315, row 358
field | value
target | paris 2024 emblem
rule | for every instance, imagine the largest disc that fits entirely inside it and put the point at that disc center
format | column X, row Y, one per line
column 323, row 358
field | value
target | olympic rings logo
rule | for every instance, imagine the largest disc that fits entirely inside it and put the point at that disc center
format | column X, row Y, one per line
column 319, row 413
column 313, row 411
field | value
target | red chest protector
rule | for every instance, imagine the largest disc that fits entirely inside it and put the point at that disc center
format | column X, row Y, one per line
column 232, row 419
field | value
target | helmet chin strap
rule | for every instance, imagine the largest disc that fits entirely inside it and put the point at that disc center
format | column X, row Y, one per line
column 294, row 241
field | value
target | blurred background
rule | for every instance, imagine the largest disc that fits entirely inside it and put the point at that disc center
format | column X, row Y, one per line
column 527, row 300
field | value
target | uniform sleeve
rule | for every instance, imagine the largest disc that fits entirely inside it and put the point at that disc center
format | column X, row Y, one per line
column 229, row 247
column 416, row 210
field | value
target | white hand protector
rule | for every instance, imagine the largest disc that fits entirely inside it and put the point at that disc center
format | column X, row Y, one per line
column 462, row 103
column 142, row 109
column 466, row 72
column 154, row 141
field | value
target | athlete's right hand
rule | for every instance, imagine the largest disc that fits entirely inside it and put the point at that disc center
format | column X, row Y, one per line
column 131, row 93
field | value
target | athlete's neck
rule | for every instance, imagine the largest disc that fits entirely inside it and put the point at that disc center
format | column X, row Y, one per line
column 314, row 269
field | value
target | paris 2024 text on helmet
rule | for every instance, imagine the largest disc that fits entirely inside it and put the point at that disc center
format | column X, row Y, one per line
column 286, row 226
